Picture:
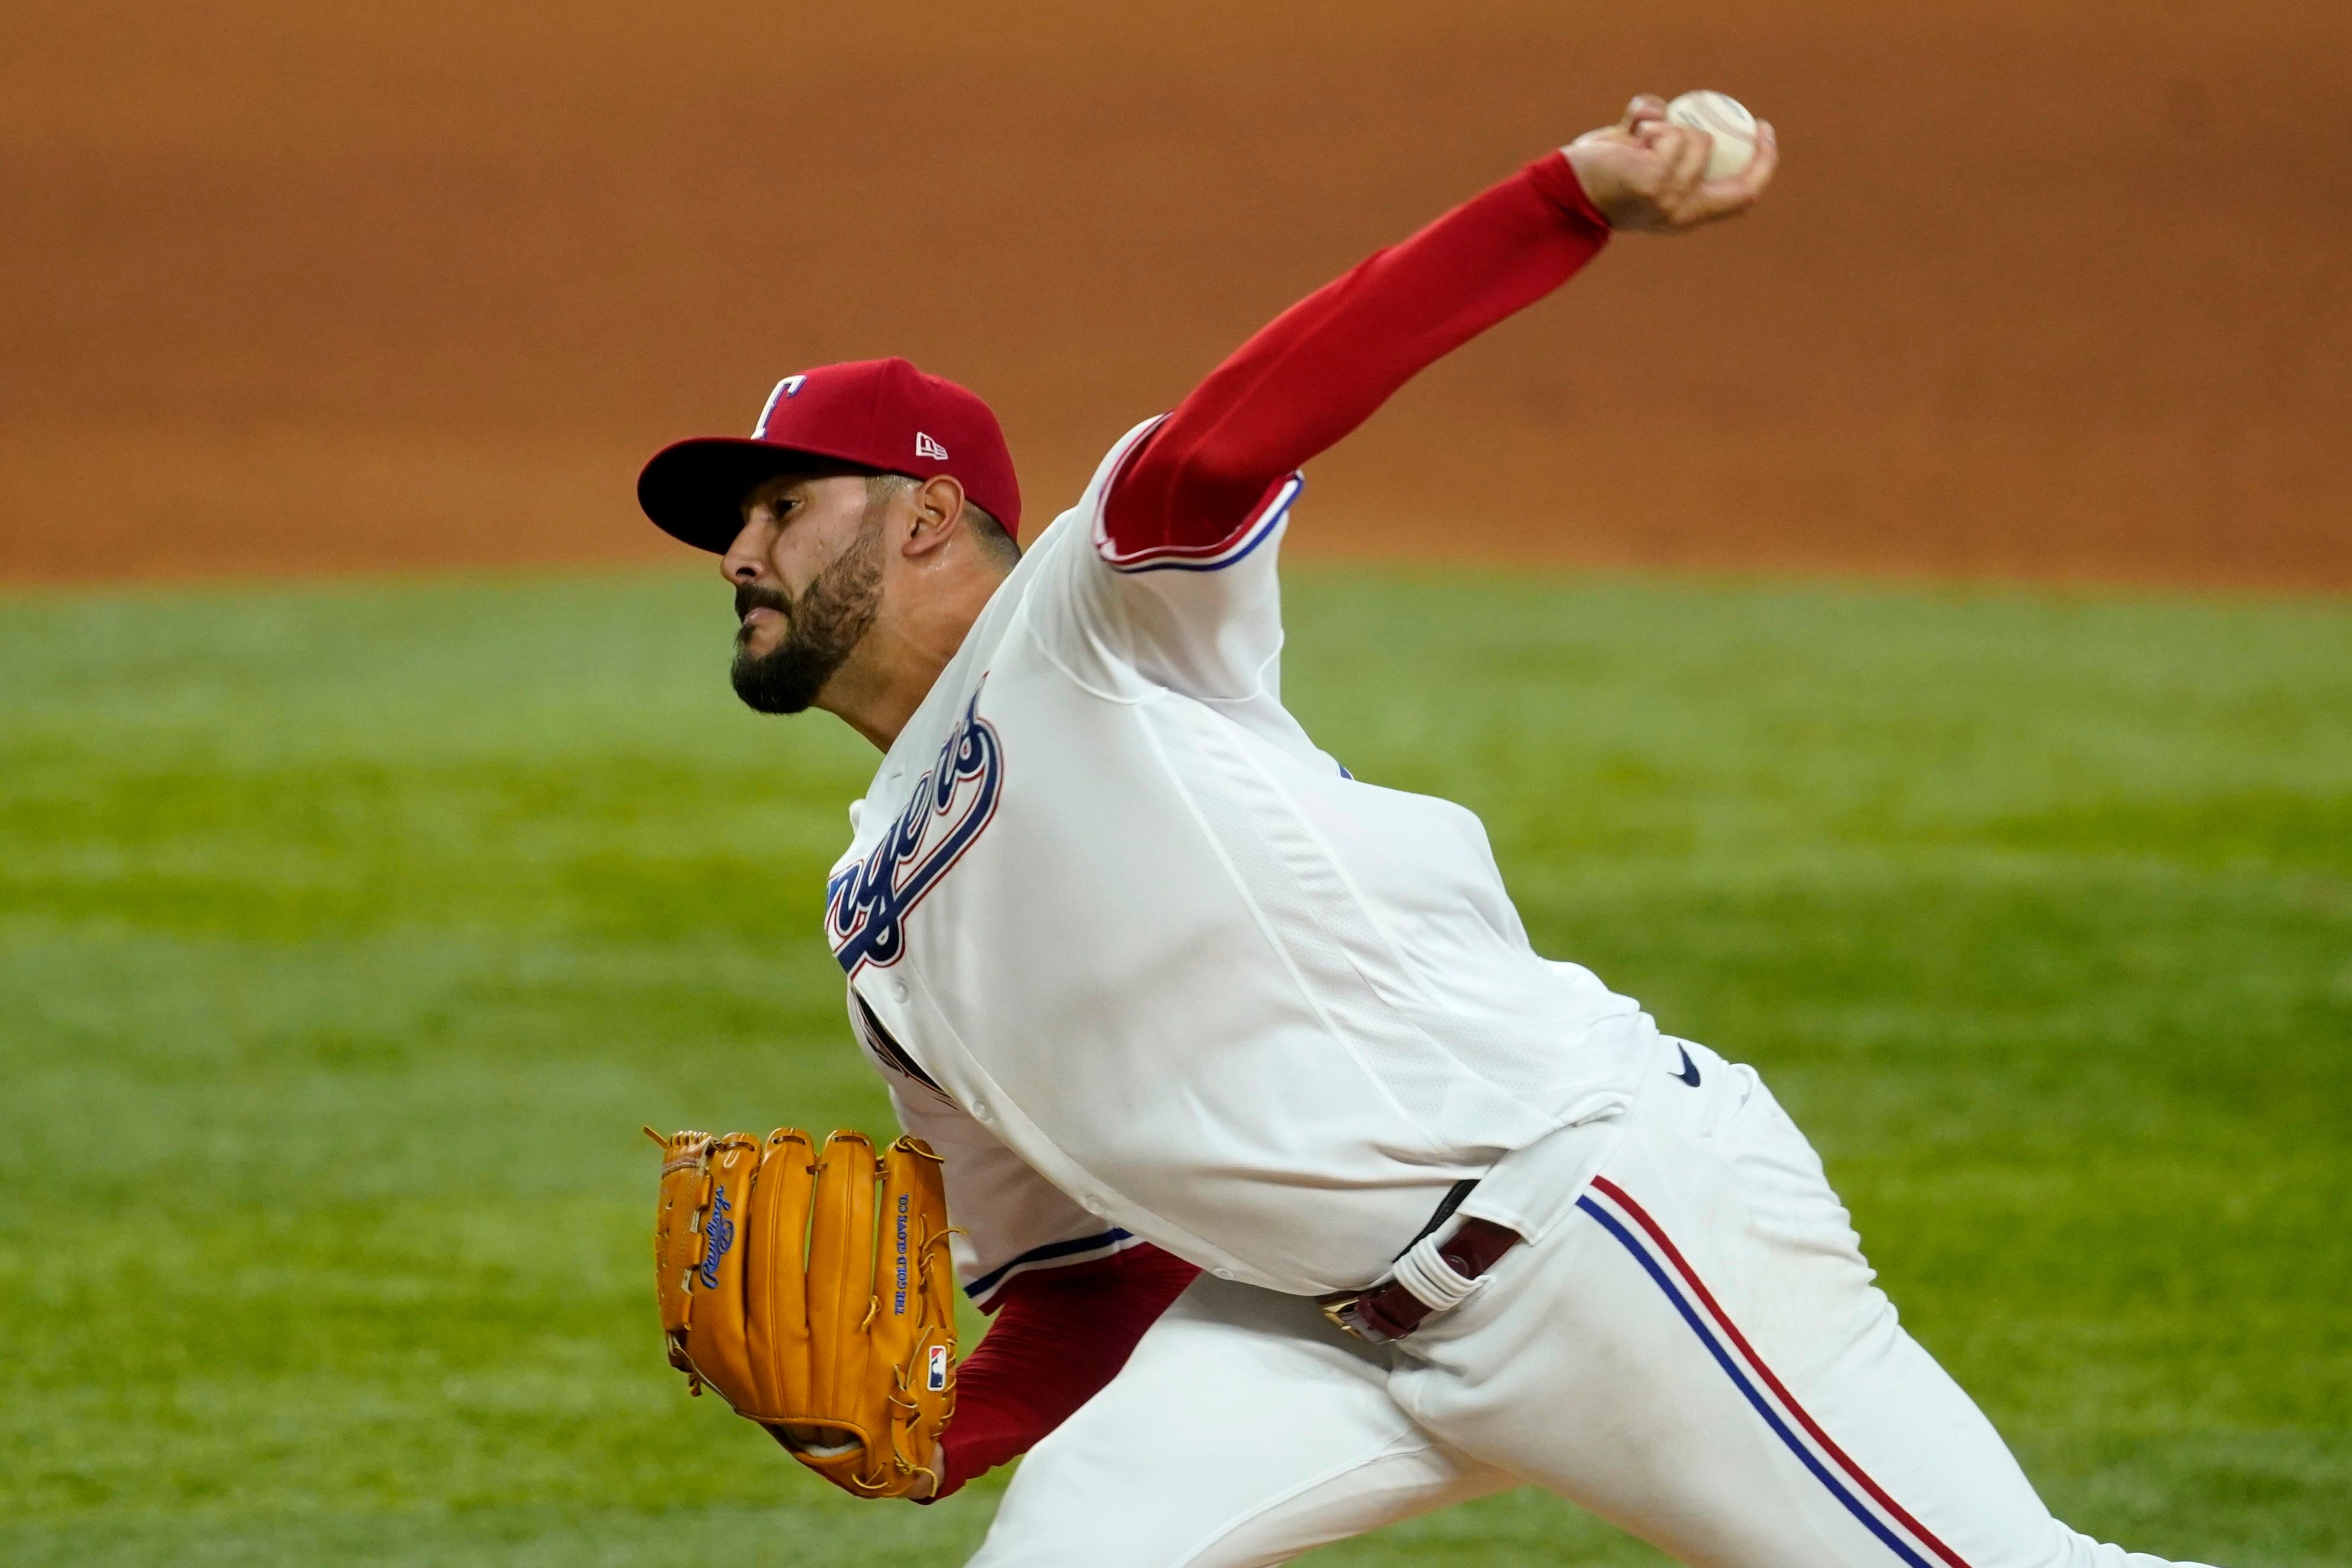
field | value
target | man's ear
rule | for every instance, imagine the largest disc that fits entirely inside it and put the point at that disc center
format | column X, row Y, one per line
column 934, row 510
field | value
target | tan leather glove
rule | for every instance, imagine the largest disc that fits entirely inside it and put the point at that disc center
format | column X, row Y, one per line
column 814, row 1291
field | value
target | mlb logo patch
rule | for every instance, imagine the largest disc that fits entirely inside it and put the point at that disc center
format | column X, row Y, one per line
column 938, row 1377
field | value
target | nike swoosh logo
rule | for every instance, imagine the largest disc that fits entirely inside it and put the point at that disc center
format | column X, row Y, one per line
column 1689, row 1074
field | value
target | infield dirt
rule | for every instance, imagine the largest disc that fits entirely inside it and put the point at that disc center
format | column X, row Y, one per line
column 2061, row 292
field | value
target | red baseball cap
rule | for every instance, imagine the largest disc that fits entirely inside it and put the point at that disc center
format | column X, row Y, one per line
column 879, row 414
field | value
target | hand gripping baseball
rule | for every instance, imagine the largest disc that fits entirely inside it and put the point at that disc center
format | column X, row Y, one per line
column 813, row 1291
column 1648, row 173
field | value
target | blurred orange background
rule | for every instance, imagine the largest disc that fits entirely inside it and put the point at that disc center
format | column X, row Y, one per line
column 2059, row 292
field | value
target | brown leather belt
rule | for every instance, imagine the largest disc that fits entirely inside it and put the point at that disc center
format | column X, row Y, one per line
column 1390, row 1311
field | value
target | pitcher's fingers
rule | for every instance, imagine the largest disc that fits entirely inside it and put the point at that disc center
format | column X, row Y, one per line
column 1686, row 157
column 1724, row 198
column 1682, row 153
column 1761, row 168
column 1644, row 108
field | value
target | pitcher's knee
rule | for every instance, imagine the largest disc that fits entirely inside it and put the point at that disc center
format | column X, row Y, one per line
column 2072, row 1549
column 1105, row 1544
column 1046, row 1522
column 1189, row 1526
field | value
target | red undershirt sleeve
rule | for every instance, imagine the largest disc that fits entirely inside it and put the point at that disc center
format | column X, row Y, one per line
column 1323, row 366
column 1060, row 1335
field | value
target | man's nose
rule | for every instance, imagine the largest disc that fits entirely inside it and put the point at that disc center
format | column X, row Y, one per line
column 743, row 561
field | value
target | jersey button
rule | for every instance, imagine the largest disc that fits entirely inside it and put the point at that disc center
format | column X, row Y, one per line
column 897, row 991
column 1091, row 1203
column 1222, row 1273
column 980, row 1110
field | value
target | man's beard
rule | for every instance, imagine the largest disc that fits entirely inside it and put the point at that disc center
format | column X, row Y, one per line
column 821, row 628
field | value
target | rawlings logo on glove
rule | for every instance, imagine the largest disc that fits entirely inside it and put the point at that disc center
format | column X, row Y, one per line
column 814, row 1291
column 719, row 1235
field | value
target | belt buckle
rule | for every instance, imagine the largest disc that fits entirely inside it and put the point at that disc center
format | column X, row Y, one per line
column 1340, row 1308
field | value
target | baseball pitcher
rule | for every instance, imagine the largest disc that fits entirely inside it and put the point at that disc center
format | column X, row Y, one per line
column 1306, row 1195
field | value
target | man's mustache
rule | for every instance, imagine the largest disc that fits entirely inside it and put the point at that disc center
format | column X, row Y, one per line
column 749, row 597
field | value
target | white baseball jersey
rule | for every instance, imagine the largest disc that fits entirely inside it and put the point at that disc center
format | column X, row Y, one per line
column 1112, row 920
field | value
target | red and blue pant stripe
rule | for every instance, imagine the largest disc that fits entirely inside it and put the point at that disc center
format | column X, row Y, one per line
column 1643, row 1236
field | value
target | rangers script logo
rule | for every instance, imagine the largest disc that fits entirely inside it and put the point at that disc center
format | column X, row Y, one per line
column 866, row 904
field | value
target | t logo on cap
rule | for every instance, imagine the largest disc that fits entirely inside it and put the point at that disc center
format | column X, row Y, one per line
column 788, row 387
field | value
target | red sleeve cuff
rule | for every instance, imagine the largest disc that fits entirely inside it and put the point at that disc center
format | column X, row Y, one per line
column 1555, row 177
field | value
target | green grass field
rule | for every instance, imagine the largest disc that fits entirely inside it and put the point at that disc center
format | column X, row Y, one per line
column 347, row 934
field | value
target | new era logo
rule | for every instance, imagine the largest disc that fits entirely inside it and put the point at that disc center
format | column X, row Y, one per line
column 927, row 447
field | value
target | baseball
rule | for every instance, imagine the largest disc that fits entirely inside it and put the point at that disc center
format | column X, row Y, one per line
column 1727, row 119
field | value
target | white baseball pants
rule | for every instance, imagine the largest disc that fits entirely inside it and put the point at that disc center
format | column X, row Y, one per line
column 1695, row 1352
